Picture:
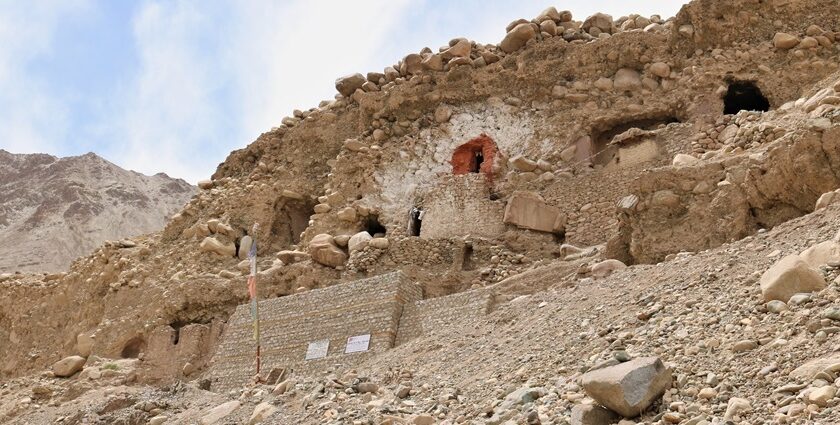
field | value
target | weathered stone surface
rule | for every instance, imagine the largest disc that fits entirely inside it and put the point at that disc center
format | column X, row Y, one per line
column 602, row 21
column 591, row 414
column 219, row 412
column 628, row 388
column 523, row 164
column 826, row 199
column 785, row 41
column 324, row 250
column 790, row 275
column 68, row 366
column 211, row 244
column 517, row 37
column 683, row 160
column 660, row 69
column 821, row 254
column 736, row 407
column 245, row 246
column 607, row 267
column 529, row 211
column 348, row 84
column 84, row 344
column 627, row 79
column 358, row 241
column 261, row 412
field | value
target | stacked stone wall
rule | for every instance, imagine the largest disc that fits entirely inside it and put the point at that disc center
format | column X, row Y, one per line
column 288, row 324
column 459, row 206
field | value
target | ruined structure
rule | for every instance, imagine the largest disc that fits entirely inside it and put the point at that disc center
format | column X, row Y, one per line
column 587, row 194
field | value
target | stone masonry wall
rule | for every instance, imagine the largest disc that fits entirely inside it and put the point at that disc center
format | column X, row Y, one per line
column 436, row 313
column 288, row 324
column 461, row 205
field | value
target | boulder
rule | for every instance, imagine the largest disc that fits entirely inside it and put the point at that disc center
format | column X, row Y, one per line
column 630, row 387
column 324, row 251
column 205, row 184
column 358, row 241
column 347, row 214
column 523, row 164
column 683, row 160
column 660, row 69
column 785, row 41
column 529, row 211
column 289, row 257
column 590, row 414
column 219, row 412
column 348, row 84
column 68, row 366
column 379, row 243
column 411, row 64
column 606, row 268
column 461, row 49
column 790, row 275
column 245, row 246
column 84, row 344
column 736, row 407
column 517, row 37
column 627, row 79
column 211, row 244
column 261, row 412
column 602, row 21
column 826, row 199
column 433, row 63
column 821, row 254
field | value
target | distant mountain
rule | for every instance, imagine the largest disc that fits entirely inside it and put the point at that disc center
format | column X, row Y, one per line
column 53, row 210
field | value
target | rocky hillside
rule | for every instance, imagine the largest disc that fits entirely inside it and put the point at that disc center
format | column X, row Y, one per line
column 598, row 220
column 54, row 210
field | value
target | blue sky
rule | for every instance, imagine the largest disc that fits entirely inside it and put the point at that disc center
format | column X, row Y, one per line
column 173, row 86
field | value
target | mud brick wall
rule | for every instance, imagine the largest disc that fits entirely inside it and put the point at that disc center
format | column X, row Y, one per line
column 437, row 313
column 461, row 205
column 288, row 324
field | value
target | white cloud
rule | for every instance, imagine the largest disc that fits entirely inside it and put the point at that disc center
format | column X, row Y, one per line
column 32, row 119
column 286, row 56
column 213, row 78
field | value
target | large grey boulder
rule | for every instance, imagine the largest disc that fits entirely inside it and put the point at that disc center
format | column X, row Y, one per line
column 628, row 388
column 789, row 276
column 68, row 366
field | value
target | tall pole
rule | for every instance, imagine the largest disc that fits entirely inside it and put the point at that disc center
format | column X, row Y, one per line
column 252, row 290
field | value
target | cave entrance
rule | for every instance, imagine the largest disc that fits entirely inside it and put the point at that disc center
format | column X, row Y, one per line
column 744, row 96
column 604, row 151
column 133, row 348
column 475, row 156
column 374, row 227
column 415, row 221
column 291, row 217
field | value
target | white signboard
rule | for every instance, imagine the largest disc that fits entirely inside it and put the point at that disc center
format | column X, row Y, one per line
column 317, row 349
column 357, row 344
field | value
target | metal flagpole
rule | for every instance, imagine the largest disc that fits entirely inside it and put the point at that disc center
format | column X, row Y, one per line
column 252, row 289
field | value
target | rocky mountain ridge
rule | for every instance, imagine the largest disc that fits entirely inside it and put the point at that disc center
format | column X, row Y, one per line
column 54, row 210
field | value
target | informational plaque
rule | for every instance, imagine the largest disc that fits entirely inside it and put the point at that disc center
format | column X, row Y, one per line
column 357, row 344
column 317, row 349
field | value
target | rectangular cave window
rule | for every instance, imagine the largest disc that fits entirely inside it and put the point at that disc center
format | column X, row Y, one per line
column 416, row 221
column 467, row 259
column 478, row 159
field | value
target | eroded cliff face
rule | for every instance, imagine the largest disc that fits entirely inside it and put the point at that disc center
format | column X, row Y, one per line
column 54, row 210
column 507, row 170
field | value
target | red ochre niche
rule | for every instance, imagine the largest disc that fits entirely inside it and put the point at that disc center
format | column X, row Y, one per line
column 475, row 156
